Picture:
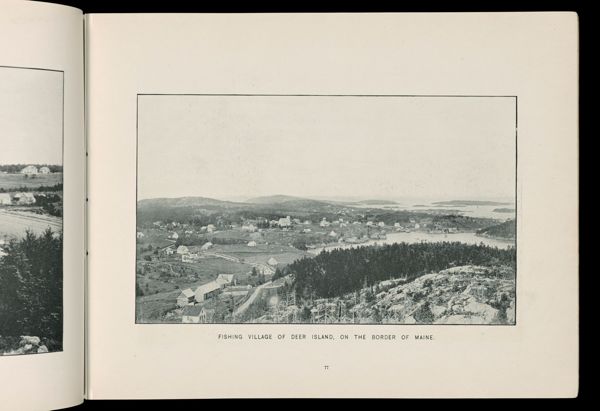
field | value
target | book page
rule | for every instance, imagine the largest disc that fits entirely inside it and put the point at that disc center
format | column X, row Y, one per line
column 42, row 200
column 333, row 205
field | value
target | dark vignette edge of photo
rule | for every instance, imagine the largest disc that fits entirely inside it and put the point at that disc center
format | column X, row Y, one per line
column 516, row 99
column 62, row 220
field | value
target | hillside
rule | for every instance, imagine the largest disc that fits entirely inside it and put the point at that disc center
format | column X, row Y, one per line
column 506, row 229
column 187, row 202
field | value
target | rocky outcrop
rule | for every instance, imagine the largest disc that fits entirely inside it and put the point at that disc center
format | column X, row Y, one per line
column 460, row 295
column 26, row 345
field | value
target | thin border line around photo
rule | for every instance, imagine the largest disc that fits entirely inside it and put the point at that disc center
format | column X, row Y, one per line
column 341, row 96
column 62, row 220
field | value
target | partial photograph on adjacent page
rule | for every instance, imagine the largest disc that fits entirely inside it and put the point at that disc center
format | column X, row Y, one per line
column 31, row 211
column 317, row 209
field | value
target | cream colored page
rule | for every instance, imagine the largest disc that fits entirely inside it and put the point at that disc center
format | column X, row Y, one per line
column 532, row 56
column 41, row 59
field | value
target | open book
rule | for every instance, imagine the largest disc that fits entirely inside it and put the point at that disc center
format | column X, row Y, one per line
column 333, row 205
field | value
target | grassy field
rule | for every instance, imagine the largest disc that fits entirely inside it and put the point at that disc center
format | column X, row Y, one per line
column 15, row 181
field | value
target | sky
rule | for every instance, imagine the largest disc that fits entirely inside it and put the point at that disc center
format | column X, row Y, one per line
column 30, row 116
column 326, row 147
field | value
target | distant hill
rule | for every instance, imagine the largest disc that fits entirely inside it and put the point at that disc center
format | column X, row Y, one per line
column 503, row 210
column 288, row 201
column 187, row 202
column 506, row 229
column 375, row 202
column 464, row 203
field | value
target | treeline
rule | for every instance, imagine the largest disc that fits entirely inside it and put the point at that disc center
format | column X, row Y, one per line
column 336, row 272
column 25, row 189
column 31, row 288
column 16, row 168
column 506, row 229
column 51, row 204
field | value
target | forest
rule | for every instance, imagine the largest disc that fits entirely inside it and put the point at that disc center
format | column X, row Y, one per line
column 336, row 272
column 31, row 287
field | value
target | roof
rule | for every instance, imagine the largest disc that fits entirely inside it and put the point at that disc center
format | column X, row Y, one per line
column 225, row 278
column 272, row 261
column 192, row 310
column 207, row 288
column 188, row 292
column 26, row 195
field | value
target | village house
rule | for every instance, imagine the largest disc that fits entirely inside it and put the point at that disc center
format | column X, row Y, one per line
column 169, row 250
column 306, row 230
column 272, row 261
column 174, row 236
column 185, row 298
column 5, row 199
column 332, row 234
column 139, row 234
column 264, row 269
column 226, row 279
column 307, row 222
column 324, row 223
column 44, row 170
column 249, row 227
column 29, row 170
column 182, row 249
column 381, row 224
column 251, row 243
column 189, row 258
column 284, row 222
column 207, row 291
column 191, row 314
column 210, row 228
column 24, row 198
column 207, row 315
column 206, row 246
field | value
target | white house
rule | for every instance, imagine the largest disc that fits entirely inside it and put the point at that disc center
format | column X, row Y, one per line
column 272, row 261
column 24, row 198
column 381, row 224
column 249, row 227
column 182, row 250
column 191, row 314
column 174, row 236
column 139, row 234
column 44, row 170
column 306, row 230
column 324, row 223
column 251, row 243
column 397, row 225
column 210, row 228
column 206, row 246
column 332, row 234
column 29, row 170
column 169, row 250
column 186, row 297
column 284, row 222
column 207, row 291
column 417, row 226
column 5, row 199
column 226, row 279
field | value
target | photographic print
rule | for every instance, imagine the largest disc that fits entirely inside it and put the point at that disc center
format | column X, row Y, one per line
column 31, row 210
column 326, row 209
